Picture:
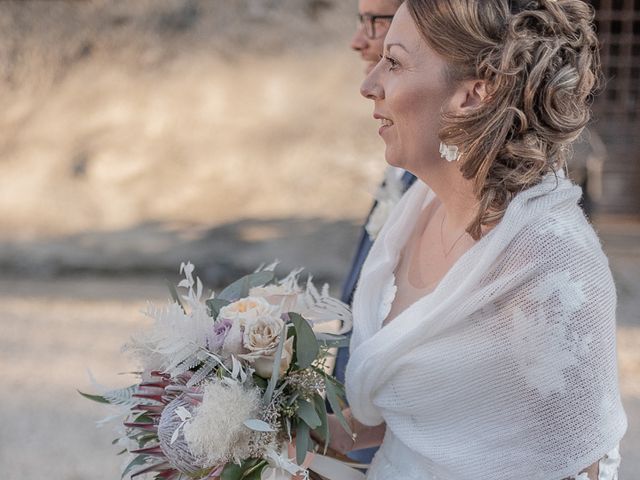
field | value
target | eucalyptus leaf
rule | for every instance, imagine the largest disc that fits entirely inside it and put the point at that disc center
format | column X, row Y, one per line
column 323, row 429
column 258, row 425
column 95, row 398
column 240, row 288
column 308, row 414
column 303, row 442
column 215, row 305
column 337, row 385
column 336, row 406
column 307, row 347
column 275, row 373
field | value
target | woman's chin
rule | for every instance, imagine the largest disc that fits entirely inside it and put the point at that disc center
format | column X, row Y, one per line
column 392, row 159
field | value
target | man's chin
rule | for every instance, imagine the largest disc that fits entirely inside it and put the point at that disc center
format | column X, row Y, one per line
column 368, row 67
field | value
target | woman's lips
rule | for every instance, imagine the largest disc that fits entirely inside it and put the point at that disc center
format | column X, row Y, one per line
column 385, row 123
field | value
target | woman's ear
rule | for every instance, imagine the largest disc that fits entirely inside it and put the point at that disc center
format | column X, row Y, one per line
column 468, row 95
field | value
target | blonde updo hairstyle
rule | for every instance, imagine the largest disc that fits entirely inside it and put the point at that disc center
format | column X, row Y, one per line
column 540, row 62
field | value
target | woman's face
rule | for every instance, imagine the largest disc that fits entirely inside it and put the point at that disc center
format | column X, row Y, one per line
column 410, row 89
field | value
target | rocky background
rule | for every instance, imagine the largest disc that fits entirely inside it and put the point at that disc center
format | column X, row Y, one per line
column 137, row 134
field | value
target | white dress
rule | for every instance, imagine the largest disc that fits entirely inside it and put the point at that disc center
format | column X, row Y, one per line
column 395, row 460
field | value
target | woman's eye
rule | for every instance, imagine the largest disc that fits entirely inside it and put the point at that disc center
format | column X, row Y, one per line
column 393, row 64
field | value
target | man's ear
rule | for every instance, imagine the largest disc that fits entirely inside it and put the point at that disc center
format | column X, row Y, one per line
column 468, row 95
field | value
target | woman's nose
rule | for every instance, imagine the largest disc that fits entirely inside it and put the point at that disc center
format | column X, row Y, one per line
column 371, row 87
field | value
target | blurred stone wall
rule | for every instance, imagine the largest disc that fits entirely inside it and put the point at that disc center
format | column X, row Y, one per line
column 120, row 113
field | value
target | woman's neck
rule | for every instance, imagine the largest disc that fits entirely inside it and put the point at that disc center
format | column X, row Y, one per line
column 454, row 192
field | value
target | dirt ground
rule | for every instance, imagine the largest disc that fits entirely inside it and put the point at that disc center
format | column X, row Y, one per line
column 53, row 330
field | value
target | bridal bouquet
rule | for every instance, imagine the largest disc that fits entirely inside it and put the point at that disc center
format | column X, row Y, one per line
column 232, row 385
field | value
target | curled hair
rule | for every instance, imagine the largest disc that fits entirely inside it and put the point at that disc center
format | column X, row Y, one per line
column 540, row 62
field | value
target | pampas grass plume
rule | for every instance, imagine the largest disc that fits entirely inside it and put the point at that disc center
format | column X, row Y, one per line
column 217, row 434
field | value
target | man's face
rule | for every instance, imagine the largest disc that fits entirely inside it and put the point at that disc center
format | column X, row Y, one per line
column 370, row 49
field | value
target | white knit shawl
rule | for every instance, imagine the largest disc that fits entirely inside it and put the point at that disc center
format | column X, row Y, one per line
column 507, row 370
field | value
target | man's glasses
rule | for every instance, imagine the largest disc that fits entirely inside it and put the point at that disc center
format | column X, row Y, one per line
column 369, row 23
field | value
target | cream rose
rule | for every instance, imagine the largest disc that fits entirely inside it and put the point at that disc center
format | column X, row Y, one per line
column 264, row 363
column 260, row 340
column 246, row 310
column 262, row 334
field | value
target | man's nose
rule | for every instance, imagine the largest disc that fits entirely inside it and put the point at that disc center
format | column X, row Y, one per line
column 359, row 40
column 371, row 87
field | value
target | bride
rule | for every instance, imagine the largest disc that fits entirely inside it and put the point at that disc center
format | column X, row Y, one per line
column 484, row 337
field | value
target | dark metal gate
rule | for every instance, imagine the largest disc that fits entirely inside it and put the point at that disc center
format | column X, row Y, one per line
column 617, row 108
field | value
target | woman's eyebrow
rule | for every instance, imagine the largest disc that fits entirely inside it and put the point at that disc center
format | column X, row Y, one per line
column 388, row 46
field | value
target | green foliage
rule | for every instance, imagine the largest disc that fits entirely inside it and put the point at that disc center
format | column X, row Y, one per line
column 240, row 288
column 143, row 440
column 307, row 348
column 308, row 414
column 143, row 418
column 275, row 373
column 215, row 305
column 303, row 442
column 247, row 470
column 136, row 462
column 95, row 398
column 323, row 429
column 259, row 381
column 255, row 472
column 335, row 394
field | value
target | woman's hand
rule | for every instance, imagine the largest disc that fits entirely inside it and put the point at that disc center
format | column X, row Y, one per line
column 364, row 436
column 339, row 439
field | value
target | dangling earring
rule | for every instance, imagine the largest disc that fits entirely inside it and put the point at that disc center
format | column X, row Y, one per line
column 450, row 152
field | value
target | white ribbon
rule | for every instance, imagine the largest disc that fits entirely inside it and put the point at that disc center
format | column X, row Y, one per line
column 281, row 468
column 333, row 469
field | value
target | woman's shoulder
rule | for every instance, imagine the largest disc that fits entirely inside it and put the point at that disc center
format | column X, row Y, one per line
column 559, row 247
column 557, row 236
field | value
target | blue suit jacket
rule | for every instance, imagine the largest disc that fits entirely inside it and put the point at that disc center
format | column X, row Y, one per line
column 364, row 245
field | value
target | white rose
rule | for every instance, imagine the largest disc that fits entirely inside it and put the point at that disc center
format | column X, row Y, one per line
column 246, row 310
